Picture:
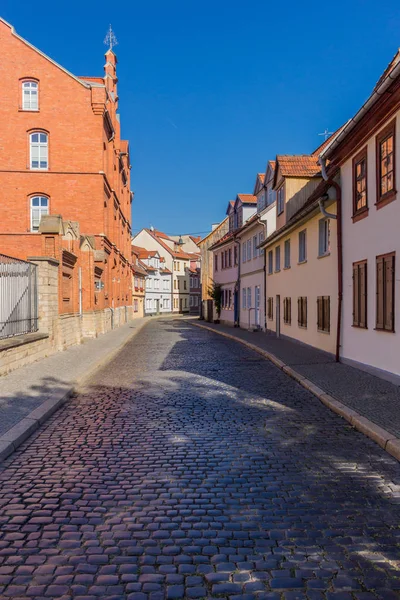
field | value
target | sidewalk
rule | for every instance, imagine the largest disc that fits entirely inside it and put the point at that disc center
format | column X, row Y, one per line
column 31, row 394
column 370, row 404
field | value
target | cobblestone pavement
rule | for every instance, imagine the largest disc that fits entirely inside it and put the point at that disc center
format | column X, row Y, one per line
column 192, row 468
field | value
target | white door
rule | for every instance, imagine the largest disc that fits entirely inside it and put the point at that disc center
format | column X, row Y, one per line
column 257, row 305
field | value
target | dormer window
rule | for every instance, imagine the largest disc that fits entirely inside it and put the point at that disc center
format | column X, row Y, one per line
column 39, row 155
column 30, row 95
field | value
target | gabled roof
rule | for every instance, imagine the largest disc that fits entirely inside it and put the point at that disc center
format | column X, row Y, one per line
column 247, row 198
column 195, row 239
column 162, row 235
column 297, row 165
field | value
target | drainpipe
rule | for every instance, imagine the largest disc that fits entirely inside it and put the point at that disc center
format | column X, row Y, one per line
column 260, row 222
column 237, row 324
column 337, row 187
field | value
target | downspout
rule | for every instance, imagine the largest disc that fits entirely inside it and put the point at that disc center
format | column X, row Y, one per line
column 237, row 324
column 260, row 222
column 339, row 248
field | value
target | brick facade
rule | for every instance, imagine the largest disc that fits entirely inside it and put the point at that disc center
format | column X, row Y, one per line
column 86, row 180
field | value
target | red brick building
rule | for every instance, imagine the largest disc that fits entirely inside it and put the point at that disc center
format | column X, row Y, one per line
column 61, row 154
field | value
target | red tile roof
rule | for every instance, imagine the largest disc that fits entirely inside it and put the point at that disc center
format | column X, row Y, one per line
column 195, row 239
column 302, row 165
column 162, row 235
column 248, row 198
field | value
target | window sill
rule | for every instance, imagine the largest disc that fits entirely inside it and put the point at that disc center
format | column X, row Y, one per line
column 323, row 331
column 324, row 255
column 359, row 326
column 302, row 326
column 386, row 199
column 287, row 323
column 29, row 110
column 302, row 262
column 360, row 215
column 287, row 268
column 384, row 330
column 271, row 273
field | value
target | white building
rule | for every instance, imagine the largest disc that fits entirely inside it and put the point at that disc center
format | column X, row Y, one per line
column 158, row 292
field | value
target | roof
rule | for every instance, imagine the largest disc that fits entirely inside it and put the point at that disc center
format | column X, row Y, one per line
column 213, row 230
column 247, row 198
column 326, row 142
column 165, row 271
column 395, row 60
column 162, row 235
column 301, row 165
column 308, row 207
column 143, row 253
column 98, row 80
column 226, row 238
column 139, row 269
column 272, row 164
column 195, row 239
column 261, row 176
column 160, row 239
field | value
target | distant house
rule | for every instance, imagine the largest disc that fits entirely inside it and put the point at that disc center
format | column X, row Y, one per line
column 139, row 274
column 218, row 231
column 158, row 282
column 195, row 286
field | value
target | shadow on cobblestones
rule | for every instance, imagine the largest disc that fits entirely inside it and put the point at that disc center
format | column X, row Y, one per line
column 191, row 468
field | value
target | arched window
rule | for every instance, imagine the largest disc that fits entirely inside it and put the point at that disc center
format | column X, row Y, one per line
column 30, row 95
column 39, row 150
column 39, row 207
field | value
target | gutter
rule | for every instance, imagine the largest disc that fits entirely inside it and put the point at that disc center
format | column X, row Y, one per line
column 351, row 123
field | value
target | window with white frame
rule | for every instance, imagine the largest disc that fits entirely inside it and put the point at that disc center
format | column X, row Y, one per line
column 287, row 254
column 244, row 252
column 255, row 249
column 280, row 194
column 30, row 95
column 39, row 207
column 39, row 150
column 244, row 297
column 271, row 197
column 278, row 258
column 248, row 297
column 324, row 237
column 303, row 246
column 270, row 262
column 248, row 249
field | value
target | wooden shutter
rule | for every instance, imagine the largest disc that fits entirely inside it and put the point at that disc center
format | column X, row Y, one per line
column 320, row 312
column 299, row 311
column 305, row 312
column 389, row 293
column 327, row 314
column 379, row 293
column 363, row 294
column 289, row 300
column 356, row 296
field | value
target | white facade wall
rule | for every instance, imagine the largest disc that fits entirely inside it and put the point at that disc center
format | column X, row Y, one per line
column 251, row 300
column 227, row 277
column 376, row 234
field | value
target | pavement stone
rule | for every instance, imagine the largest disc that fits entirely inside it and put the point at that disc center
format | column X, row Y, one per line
column 190, row 467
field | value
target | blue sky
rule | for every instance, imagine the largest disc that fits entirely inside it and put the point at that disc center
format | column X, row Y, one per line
column 209, row 91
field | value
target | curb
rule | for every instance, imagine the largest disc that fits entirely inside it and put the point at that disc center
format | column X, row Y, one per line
column 386, row 440
column 18, row 434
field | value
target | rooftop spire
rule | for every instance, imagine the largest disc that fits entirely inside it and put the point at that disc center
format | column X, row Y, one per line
column 110, row 39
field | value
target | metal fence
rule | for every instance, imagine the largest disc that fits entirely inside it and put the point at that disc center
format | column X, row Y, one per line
column 18, row 297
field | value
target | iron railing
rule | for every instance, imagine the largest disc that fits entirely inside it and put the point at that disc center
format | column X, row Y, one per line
column 18, row 297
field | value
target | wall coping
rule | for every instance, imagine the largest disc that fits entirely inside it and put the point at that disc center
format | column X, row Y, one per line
column 21, row 340
column 49, row 259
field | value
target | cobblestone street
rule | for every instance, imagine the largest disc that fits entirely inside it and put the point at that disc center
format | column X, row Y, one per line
column 190, row 467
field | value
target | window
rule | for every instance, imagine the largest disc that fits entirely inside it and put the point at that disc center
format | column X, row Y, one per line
column 280, row 200
column 39, row 207
column 222, row 260
column 277, row 258
column 270, row 262
column 230, row 257
column 244, row 296
column 248, row 249
column 175, row 286
column 184, row 284
column 323, row 314
column 270, row 196
column 287, row 255
column 385, row 155
column 30, row 97
column 248, row 297
column 360, row 294
column 302, row 311
column 216, row 262
column 385, row 282
column 255, row 249
column 324, row 246
column 244, row 252
column 38, row 150
column 135, row 306
column 270, row 308
column 287, row 311
column 185, row 302
column 360, row 200
column 229, row 298
column 235, row 255
column 303, row 246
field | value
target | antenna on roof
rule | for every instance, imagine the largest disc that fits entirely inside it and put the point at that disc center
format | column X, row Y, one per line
column 110, row 39
column 326, row 133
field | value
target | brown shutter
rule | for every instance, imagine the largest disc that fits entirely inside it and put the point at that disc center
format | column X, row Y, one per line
column 389, row 292
column 327, row 314
column 363, row 294
column 356, row 296
column 379, row 293
column 319, row 313
column 299, row 311
column 290, row 310
column 305, row 312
